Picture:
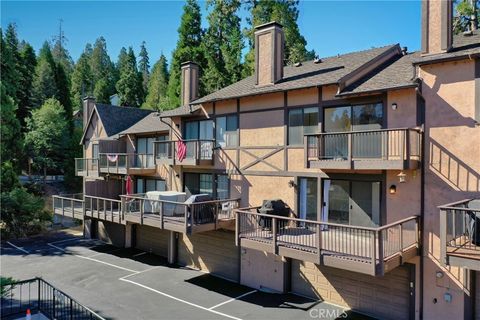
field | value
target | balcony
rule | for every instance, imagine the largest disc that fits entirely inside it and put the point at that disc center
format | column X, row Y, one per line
column 198, row 152
column 386, row 149
column 372, row 251
column 69, row 205
column 126, row 163
column 179, row 216
column 460, row 234
column 104, row 209
column 86, row 167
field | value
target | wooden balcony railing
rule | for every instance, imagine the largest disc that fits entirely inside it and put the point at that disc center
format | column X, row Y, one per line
column 367, row 250
column 198, row 152
column 86, row 167
column 460, row 234
column 178, row 216
column 371, row 149
column 69, row 205
column 120, row 163
column 104, row 209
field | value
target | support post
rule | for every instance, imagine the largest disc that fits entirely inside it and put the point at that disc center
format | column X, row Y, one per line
column 274, row 235
column 172, row 247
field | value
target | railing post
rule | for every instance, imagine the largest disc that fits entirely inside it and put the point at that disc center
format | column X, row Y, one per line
column 98, row 208
column 122, row 209
column 380, row 252
column 407, row 148
column 63, row 208
column 39, row 298
column 141, row 211
column 305, row 151
column 400, row 229
column 320, row 152
column 161, row 214
column 104, row 209
column 319, row 242
column 373, row 252
column 73, row 208
column 443, row 237
column 350, row 149
column 53, row 298
column 274, row 235
column 237, row 227
column 186, row 217
column 71, row 309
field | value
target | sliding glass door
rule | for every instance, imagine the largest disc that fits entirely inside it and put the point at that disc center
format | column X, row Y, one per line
column 352, row 202
column 307, row 198
column 199, row 130
column 353, row 118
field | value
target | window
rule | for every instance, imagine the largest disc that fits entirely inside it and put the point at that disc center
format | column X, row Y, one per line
column 215, row 185
column 145, row 150
column 227, row 131
column 146, row 185
column 307, row 198
column 95, row 151
column 300, row 122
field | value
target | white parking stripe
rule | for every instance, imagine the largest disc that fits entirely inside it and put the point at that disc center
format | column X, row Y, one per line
column 139, row 254
column 18, row 248
column 179, row 300
column 233, row 299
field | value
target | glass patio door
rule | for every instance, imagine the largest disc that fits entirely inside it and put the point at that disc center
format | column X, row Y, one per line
column 352, row 202
column 199, row 130
column 145, row 152
column 307, row 198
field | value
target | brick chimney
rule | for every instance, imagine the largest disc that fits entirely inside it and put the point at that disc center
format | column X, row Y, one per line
column 190, row 75
column 269, row 53
column 88, row 105
column 437, row 26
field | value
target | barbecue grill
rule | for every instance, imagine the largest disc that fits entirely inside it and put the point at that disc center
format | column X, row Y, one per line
column 274, row 207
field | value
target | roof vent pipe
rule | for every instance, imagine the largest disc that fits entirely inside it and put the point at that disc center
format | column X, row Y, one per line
column 404, row 50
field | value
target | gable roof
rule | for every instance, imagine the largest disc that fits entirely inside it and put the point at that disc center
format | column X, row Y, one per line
column 395, row 74
column 115, row 119
column 310, row 74
column 151, row 123
column 464, row 45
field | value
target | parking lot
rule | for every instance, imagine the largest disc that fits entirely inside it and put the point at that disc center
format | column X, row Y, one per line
column 131, row 284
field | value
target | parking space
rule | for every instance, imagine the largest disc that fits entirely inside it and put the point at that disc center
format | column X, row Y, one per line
column 131, row 284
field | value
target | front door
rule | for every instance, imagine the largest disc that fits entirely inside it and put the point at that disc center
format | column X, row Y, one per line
column 352, row 202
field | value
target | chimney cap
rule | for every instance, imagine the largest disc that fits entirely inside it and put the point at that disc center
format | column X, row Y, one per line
column 268, row 25
column 186, row 63
column 88, row 98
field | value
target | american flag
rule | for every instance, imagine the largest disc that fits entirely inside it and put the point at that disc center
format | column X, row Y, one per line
column 181, row 150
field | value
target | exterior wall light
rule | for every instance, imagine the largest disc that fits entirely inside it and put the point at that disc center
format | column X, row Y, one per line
column 394, row 106
column 291, row 184
column 402, row 177
column 393, row 189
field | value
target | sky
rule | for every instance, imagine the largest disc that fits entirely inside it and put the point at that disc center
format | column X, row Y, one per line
column 330, row 27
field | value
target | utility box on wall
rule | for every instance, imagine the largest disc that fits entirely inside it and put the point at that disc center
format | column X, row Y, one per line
column 263, row 271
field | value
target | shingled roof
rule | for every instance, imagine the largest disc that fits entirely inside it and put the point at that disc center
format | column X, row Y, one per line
column 151, row 123
column 310, row 74
column 116, row 119
column 464, row 45
column 395, row 74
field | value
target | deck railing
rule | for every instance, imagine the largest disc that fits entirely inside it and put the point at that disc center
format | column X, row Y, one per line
column 86, row 167
column 40, row 296
column 188, row 214
column 70, row 205
column 121, row 162
column 460, row 228
column 384, row 144
column 372, row 245
column 104, row 208
column 196, row 150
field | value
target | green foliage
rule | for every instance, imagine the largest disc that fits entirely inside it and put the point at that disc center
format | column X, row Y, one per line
column 11, row 61
column 11, row 146
column 157, row 86
column 467, row 15
column 44, row 84
column 129, row 86
column 63, row 94
column 223, row 45
column 47, row 135
column 9, row 178
column 103, row 73
column 189, row 48
column 144, row 67
column 284, row 12
column 74, row 150
column 27, row 71
column 22, row 213
column 5, row 286
column 82, row 78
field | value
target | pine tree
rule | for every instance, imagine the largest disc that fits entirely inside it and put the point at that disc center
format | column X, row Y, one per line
column 60, row 53
column 82, row 78
column 284, row 12
column 10, row 61
column 467, row 15
column 144, row 66
column 103, row 73
column 129, row 86
column 27, row 71
column 223, row 45
column 44, row 84
column 11, row 146
column 157, row 86
column 63, row 94
column 189, row 48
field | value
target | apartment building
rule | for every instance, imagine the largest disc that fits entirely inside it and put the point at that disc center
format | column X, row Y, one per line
column 373, row 154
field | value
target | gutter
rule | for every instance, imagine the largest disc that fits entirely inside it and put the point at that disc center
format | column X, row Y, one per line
column 374, row 91
column 469, row 56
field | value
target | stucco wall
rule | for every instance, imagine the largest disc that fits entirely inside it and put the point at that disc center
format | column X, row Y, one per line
column 452, row 171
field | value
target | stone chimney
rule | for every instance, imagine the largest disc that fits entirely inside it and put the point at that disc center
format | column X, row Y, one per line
column 190, row 76
column 437, row 26
column 88, row 105
column 269, row 53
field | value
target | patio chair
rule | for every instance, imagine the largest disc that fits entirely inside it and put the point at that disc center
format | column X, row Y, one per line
column 474, row 228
